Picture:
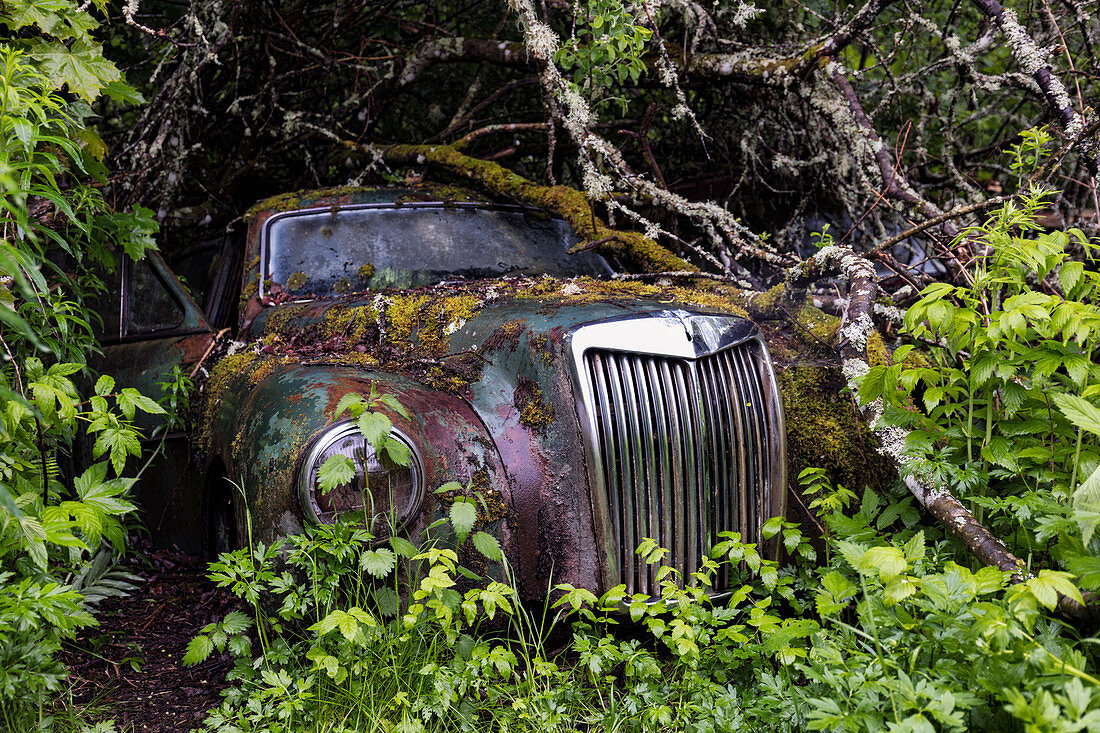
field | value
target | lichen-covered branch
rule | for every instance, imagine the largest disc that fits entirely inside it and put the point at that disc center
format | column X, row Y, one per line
column 1035, row 62
column 857, row 327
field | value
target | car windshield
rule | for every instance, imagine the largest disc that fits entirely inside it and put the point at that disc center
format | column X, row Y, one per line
column 328, row 252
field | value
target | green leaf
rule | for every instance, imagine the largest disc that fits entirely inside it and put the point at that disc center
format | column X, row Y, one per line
column 92, row 477
column 1087, row 499
column 327, row 624
column 121, row 441
column 347, row 624
column 7, row 502
column 834, row 595
column 104, row 385
column 403, row 547
column 379, row 563
column 982, row 367
column 375, row 427
column 396, row 450
column 888, row 561
column 852, row 552
column 135, row 230
column 198, row 649
column 1049, row 583
column 394, row 404
column 123, row 93
column 335, row 471
column 386, row 601
column 130, row 400
column 81, row 65
column 1078, row 411
column 463, row 514
column 488, row 546
column 236, row 622
column 350, row 401
column 899, row 588
column 57, row 18
column 914, row 547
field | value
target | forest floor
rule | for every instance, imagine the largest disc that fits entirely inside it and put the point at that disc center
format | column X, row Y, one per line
column 130, row 666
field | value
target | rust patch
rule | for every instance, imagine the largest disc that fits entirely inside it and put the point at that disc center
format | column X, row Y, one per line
column 507, row 336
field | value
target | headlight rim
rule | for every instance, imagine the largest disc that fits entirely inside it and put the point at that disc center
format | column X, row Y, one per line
column 338, row 431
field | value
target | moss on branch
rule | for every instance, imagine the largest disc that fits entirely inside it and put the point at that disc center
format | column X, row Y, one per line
column 569, row 203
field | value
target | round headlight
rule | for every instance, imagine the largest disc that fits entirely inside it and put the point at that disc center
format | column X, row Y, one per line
column 386, row 494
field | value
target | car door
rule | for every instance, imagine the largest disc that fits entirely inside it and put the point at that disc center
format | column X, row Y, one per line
column 150, row 326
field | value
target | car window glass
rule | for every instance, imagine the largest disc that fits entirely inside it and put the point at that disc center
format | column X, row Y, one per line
column 107, row 305
column 149, row 304
column 329, row 253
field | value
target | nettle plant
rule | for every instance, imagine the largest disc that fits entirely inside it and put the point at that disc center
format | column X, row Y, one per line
column 1001, row 409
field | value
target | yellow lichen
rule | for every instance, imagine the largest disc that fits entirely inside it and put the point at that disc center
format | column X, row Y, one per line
column 534, row 411
column 426, row 321
column 539, row 344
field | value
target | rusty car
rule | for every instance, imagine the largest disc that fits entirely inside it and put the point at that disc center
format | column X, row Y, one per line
column 586, row 413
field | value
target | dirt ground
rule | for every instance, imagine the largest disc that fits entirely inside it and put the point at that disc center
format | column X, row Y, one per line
column 130, row 664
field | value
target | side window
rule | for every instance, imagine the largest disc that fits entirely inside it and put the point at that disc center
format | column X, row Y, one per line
column 149, row 305
column 108, row 327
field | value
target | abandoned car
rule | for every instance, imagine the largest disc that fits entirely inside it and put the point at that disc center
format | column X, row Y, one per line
column 585, row 413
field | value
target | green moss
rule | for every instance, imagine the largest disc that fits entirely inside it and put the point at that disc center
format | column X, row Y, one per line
column 353, row 323
column 824, row 430
column 426, row 320
column 534, row 411
column 266, row 366
column 279, row 317
column 342, row 286
column 403, row 314
column 302, row 199
column 366, row 272
column 221, row 377
column 584, row 290
column 249, row 291
column 296, row 281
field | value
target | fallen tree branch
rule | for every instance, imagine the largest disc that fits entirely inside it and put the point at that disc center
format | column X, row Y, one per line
column 571, row 204
column 856, row 328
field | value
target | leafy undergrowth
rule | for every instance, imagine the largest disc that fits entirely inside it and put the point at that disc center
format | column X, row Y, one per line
column 879, row 635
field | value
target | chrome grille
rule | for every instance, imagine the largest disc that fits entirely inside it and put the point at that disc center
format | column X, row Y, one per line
column 682, row 448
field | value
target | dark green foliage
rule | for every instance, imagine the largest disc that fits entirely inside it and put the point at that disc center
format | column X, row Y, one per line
column 60, row 525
